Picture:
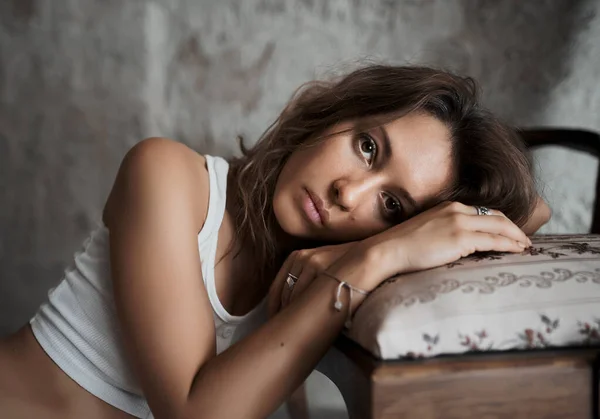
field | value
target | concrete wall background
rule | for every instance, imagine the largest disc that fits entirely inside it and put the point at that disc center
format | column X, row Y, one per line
column 81, row 81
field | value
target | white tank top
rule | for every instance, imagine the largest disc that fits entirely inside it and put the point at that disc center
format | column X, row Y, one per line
column 77, row 326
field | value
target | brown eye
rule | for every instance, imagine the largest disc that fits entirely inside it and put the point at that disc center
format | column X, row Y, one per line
column 392, row 207
column 367, row 147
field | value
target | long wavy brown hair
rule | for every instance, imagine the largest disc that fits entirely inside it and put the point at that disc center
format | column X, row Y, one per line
column 490, row 161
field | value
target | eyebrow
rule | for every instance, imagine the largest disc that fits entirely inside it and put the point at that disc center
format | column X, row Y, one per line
column 387, row 154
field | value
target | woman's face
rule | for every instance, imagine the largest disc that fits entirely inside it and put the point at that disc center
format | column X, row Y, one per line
column 359, row 182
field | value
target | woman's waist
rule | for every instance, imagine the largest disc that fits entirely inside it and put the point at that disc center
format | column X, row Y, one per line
column 32, row 383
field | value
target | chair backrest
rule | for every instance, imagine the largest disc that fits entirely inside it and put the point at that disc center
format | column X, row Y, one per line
column 575, row 139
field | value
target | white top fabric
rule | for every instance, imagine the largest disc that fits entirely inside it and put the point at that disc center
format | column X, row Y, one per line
column 77, row 326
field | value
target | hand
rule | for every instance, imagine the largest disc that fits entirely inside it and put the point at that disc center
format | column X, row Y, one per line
column 306, row 265
column 441, row 235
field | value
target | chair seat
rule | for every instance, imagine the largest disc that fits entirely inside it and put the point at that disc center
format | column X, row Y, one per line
column 547, row 296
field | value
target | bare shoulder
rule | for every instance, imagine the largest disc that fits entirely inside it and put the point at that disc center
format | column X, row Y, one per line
column 160, row 170
column 156, row 208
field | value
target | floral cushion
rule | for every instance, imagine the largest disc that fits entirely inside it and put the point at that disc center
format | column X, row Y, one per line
column 547, row 296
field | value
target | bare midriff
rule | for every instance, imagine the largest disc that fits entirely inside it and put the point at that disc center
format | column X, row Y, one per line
column 33, row 386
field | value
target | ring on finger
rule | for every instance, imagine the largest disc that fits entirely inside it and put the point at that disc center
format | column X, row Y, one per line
column 483, row 210
column 286, row 292
column 291, row 280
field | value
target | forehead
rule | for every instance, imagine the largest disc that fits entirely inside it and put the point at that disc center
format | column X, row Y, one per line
column 421, row 159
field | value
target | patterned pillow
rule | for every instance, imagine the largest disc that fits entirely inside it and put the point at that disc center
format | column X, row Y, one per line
column 547, row 296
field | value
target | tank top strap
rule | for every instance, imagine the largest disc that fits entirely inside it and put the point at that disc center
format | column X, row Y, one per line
column 217, row 176
column 208, row 239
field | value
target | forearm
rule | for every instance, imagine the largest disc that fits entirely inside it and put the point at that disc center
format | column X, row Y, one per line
column 256, row 375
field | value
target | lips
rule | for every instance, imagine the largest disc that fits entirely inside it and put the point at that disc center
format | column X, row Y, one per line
column 318, row 204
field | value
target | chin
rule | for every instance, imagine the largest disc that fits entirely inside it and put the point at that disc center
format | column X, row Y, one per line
column 291, row 223
column 294, row 228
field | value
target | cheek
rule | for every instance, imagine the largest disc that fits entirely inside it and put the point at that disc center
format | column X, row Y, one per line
column 292, row 171
column 371, row 227
column 282, row 195
column 364, row 224
column 355, row 233
column 299, row 164
column 283, row 209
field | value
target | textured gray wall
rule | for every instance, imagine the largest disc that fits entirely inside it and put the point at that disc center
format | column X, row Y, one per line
column 83, row 80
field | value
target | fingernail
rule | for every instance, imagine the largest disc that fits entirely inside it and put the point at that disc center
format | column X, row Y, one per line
column 530, row 242
column 521, row 244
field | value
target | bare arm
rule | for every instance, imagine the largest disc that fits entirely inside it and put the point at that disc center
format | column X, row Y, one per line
column 266, row 367
column 157, row 205
column 156, row 208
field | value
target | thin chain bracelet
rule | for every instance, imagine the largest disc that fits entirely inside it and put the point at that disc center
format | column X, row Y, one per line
column 338, row 305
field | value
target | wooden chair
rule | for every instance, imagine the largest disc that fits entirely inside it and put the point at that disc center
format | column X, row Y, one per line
column 557, row 383
column 580, row 140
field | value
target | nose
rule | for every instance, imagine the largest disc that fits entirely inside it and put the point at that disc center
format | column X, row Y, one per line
column 349, row 193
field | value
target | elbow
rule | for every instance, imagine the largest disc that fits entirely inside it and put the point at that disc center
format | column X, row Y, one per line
column 541, row 215
column 545, row 213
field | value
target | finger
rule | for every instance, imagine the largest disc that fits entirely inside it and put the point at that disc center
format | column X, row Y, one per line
column 496, row 224
column 501, row 214
column 485, row 242
column 274, row 297
column 480, row 210
column 286, row 293
column 291, row 282
column 304, row 280
column 456, row 206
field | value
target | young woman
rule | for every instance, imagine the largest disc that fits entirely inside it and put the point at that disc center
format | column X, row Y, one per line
column 384, row 171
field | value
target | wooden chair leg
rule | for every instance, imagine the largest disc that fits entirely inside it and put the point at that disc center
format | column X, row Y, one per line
column 353, row 382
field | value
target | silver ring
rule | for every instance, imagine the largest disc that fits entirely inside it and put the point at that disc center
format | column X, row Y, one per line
column 483, row 210
column 291, row 280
